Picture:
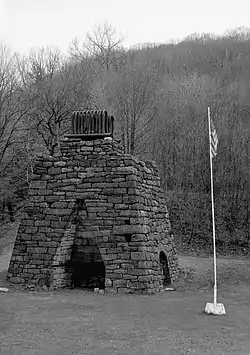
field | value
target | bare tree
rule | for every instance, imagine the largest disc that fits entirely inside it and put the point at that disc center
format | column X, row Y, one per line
column 103, row 46
column 14, row 106
column 133, row 98
column 59, row 87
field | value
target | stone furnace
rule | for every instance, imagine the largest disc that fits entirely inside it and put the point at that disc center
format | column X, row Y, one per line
column 94, row 217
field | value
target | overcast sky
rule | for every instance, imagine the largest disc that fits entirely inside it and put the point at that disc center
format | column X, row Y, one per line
column 36, row 23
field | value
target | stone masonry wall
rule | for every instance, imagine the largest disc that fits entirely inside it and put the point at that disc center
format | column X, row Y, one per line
column 93, row 201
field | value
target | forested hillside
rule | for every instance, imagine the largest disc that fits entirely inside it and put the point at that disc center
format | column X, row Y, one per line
column 159, row 95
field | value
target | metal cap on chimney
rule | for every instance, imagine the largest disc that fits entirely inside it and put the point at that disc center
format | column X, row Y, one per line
column 90, row 125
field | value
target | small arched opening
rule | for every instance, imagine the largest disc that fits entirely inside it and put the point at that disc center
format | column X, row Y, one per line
column 164, row 268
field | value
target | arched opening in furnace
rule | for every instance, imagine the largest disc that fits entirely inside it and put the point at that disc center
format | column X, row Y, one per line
column 165, row 269
column 87, row 266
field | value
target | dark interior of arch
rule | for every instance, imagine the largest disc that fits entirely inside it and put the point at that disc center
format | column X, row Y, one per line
column 165, row 268
column 86, row 265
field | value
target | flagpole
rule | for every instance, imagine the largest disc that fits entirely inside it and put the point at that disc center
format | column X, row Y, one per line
column 212, row 200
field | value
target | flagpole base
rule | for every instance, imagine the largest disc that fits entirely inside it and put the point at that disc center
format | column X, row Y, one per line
column 215, row 309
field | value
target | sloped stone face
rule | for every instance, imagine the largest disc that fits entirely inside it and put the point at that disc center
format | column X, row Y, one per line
column 102, row 207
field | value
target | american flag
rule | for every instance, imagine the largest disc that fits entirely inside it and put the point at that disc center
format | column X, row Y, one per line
column 213, row 140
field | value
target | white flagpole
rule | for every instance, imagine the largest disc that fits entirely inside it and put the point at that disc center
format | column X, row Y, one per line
column 212, row 199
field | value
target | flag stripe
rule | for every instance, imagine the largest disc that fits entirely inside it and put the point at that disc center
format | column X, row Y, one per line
column 213, row 140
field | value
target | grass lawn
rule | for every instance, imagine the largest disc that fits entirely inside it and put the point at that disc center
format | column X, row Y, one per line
column 80, row 322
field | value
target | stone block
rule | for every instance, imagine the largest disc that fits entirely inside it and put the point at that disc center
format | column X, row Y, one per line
column 137, row 272
column 130, row 278
column 108, row 283
column 36, row 177
column 130, row 229
column 145, row 264
column 135, row 285
column 120, row 191
column 47, row 164
column 128, row 184
column 125, row 256
column 16, row 280
column 129, row 213
column 120, row 206
column 58, row 211
column 92, row 216
column 42, row 223
column 108, row 192
column 120, row 283
column 36, row 199
column 59, row 163
column 97, row 209
column 44, row 244
column 52, row 198
column 40, row 170
column 138, row 256
column 67, row 170
column 25, row 237
column 107, row 257
column 146, row 278
column 114, row 199
column 51, row 250
column 38, row 184
column 126, row 170
column 139, row 237
column 31, row 230
column 54, row 171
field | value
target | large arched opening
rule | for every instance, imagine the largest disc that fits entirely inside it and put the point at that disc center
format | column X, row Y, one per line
column 86, row 265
